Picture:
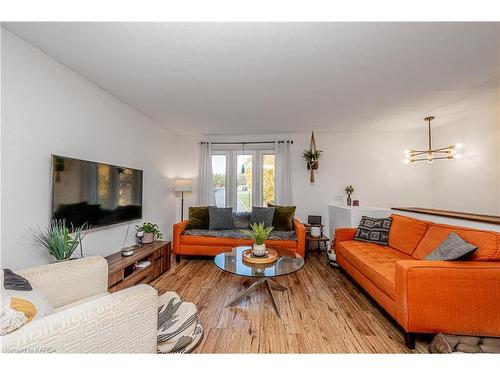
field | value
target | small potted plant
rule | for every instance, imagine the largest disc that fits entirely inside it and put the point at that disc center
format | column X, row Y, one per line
column 58, row 239
column 258, row 234
column 150, row 232
column 349, row 190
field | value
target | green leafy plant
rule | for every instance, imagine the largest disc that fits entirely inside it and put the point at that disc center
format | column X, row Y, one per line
column 150, row 228
column 59, row 240
column 311, row 155
column 259, row 233
column 349, row 189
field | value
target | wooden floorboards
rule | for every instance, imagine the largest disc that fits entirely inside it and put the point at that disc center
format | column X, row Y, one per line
column 322, row 312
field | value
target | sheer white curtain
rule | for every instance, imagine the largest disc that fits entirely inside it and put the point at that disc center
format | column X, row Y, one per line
column 283, row 173
column 206, row 194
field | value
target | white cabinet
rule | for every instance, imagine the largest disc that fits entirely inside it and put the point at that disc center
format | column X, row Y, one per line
column 349, row 216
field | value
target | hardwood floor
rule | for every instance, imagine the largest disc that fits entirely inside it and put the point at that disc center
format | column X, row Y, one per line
column 322, row 312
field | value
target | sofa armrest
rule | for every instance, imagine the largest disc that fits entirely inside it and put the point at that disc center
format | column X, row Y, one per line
column 67, row 282
column 344, row 234
column 178, row 229
column 300, row 232
column 122, row 322
column 445, row 296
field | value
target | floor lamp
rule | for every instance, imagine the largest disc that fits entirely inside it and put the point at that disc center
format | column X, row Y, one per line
column 182, row 185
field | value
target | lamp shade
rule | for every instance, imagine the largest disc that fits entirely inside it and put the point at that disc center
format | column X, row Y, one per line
column 182, row 185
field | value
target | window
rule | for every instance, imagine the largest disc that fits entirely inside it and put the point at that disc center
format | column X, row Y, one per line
column 243, row 179
column 244, row 183
column 268, row 179
column 219, row 166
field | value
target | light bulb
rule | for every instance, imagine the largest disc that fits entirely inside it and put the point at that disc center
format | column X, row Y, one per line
column 459, row 145
column 407, row 152
column 457, row 156
column 430, row 160
column 406, row 161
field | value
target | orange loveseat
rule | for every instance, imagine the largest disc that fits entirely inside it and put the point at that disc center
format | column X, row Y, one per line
column 211, row 246
column 456, row 297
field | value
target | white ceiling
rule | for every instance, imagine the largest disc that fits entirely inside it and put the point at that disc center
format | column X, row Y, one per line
column 258, row 78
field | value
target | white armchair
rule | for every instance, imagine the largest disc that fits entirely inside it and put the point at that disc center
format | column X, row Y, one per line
column 87, row 318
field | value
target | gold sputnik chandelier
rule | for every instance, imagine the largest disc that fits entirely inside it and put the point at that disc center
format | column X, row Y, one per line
column 429, row 155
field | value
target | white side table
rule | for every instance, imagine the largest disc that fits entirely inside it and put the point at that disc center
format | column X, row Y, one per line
column 341, row 216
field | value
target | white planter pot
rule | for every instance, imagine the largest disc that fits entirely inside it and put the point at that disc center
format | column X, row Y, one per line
column 148, row 238
column 315, row 231
column 259, row 250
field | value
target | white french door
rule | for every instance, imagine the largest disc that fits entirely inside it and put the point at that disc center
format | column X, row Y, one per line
column 243, row 179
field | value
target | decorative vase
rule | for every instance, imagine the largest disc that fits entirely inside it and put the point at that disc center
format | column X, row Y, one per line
column 148, row 238
column 349, row 201
column 259, row 250
column 315, row 231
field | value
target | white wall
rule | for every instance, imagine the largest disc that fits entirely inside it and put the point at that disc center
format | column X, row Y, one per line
column 471, row 184
column 47, row 108
column 186, row 161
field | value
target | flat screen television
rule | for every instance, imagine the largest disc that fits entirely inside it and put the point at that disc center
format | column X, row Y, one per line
column 94, row 193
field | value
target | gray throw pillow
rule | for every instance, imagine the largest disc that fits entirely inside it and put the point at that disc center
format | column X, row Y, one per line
column 13, row 281
column 262, row 215
column 220, row 218
column 452, row 248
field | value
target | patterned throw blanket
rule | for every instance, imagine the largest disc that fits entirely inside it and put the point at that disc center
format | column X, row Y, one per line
column 179, row 329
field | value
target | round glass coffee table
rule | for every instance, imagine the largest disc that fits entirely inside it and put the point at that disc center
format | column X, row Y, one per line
column 233, row 262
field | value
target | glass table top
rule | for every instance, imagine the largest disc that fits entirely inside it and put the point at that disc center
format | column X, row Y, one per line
column 232, row 262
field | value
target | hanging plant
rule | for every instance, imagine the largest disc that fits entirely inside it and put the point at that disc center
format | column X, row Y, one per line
column 311, row 157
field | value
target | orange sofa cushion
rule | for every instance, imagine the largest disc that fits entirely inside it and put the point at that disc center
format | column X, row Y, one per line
column 376, row 262
column 486, row 241
column 406, row 233
column 454, row 297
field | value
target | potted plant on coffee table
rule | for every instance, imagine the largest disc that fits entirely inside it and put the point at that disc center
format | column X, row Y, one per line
column 58, row 239
column 151, row 232
column 259, row 235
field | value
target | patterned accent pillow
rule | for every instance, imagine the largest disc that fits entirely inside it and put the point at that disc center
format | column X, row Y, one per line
column 179, row 327
column 20, row 302
column 452, row 248
column 374, row 230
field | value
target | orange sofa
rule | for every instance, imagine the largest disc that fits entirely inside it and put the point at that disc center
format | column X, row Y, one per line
column 211, row 246
column 456, row 297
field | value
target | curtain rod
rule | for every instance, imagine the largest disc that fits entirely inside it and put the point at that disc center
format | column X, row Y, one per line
column 242, row 143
